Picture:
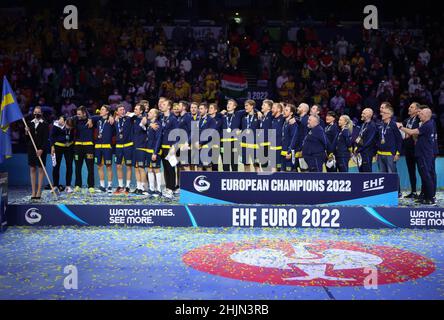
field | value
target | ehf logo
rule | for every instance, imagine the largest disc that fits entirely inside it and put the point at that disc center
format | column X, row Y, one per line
column 373, row 185
column 201, row 184
column 311, row 263
column 32, row 216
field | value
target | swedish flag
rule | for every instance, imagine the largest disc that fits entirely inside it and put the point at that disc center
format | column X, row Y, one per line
column 9, row 112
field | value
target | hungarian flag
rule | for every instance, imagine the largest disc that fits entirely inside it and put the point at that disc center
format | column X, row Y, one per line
column 234, row 86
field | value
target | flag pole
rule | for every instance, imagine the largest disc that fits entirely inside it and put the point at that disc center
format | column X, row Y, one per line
column 40, row 159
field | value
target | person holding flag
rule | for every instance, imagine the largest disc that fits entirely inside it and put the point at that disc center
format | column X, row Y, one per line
column 36, row 129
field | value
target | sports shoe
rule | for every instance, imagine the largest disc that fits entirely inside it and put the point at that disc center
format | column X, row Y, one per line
column 127, row 190
column 118, row 191
column 411, row 195
column 61, row 188
column 77, row 189
column 176, row 192
column 156, row 194
column 109, row 189
column 168, row 194
column 145, row 193
column 91, row 190
column 68, row 189
column 102, row 189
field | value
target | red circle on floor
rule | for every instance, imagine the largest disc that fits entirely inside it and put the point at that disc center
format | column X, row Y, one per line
column 309, row 263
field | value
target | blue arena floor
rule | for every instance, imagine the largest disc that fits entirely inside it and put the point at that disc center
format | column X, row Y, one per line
column 154, row 263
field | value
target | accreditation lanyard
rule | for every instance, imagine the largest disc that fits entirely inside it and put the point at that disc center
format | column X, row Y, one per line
column 363, row 128
column 410, row 122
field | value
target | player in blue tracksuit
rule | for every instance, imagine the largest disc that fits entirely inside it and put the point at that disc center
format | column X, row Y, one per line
column 366, row 141
column 249, row 124
column 103, row 147
column 206, row 149
column 123, row 127
column 315, row 110
column 213, row 112
column 343, row 143
column 289, row 138
column 409, row 147
column 331, row 132
column 425, row 152
column 140, row 145
column 184, row 123
column 263, row 141
column 83, row 148
column 276, row 127
column 303, row 110
column 314, row 147
column 153, row 160
column 169, row 123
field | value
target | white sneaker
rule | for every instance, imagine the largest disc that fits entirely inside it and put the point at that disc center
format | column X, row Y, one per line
column 176, row 192
column 68, row 189
column 167, row 193
column 109, row 190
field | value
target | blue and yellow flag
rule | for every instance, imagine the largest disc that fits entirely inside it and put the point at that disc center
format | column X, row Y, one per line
column 9, row 112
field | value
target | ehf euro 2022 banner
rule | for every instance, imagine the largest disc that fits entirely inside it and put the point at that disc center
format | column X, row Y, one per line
column 373, row 189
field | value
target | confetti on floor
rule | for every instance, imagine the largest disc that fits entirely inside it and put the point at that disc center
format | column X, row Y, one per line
column 153, row 263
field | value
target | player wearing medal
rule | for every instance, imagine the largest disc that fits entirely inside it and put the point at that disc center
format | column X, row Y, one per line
column 205, row 145
column 62, row 145
column 265, row 124
column 169, row 123
column 331, row 132
column 184, row 123
column 83, row 148
column 409, row 146
column 231, row 122
column 289, row 138
column 103, row 146
column 140, row 145
column 365, row 142
column 302, row 110
column 213, row 112
column 276, row 125
column 343, row 143
column 249, row 124
column 314, row 146
column 123, row 127
column 388, row 143
column 154, row 135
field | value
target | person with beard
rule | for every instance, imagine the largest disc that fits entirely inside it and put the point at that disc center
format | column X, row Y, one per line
column 366, row 141
column 314, row 146
column 276, row 127
column 289, row 138
column 213, row 112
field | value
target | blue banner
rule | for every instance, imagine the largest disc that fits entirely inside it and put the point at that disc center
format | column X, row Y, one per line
column 289, row 188
column 242, row 216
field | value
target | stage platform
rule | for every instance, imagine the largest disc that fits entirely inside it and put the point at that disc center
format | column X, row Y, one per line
column 102, row 209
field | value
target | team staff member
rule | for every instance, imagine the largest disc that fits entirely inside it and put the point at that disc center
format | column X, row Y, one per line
column 388, row 143
column 83, row 148
column 314, row 147
column 365, row 142
column 169, row 123
column 289, row 137
column 123, row 126
column 343, row 143
column 103, row 147
column 249, row 125
column 213, row 112
column 425, row 153
column 231, row 127
column 276, row 125
column 303, row 110
column 265, row 124
column 140, row 146
column 62, row 145
column 409, row 146
column 39, row 130
column 154, row 135
column 206, row 157
column 331, row 132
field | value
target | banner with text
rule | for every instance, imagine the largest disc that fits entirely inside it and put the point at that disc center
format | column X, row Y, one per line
column 289, row 188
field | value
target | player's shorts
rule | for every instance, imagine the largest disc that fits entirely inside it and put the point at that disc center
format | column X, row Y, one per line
column 124, row 154
column 103, row 154
column 153, row 164
column 140, row 157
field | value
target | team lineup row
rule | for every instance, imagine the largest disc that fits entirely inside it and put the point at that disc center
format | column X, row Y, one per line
column 279, row 137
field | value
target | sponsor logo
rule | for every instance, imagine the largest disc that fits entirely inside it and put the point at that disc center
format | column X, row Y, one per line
column 313, row 263
column 373, row 185
column 32, row 216
column 201, row 184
